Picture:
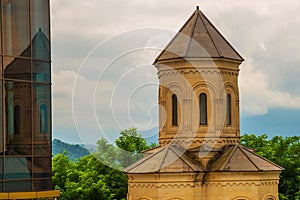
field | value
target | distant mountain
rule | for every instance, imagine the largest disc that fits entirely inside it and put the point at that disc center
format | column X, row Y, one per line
column 277, row 121
column 73, row 151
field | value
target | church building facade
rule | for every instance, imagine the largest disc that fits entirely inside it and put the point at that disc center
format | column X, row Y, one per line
column 200, row 156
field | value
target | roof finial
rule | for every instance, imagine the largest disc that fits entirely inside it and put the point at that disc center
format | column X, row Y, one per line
column 197, row 7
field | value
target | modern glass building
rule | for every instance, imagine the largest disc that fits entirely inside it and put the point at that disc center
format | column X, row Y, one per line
column 25, row 96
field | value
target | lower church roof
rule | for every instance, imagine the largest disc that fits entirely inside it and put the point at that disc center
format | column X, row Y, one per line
column 168, row 159
column 237, row 158
column 175, row 159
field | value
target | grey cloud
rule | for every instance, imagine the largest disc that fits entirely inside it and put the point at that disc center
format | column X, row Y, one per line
column 265, row 32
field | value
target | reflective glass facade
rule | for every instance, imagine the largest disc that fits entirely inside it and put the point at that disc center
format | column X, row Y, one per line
column 25, row 96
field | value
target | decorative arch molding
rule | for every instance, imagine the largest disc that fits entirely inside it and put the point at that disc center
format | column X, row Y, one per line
column 199, row 141
column 241, row 198
column 142, row 185
column 231, row 86
column 229, row 72
column 197, row 88
column 174, row 88
column 172, row 72
column 41, row 99
column 20, row 100
column 234, row 184
column 176, row 198
column 269, row 197
column 162, row 185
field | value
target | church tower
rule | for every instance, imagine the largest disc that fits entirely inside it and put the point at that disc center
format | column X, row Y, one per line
column 198, row 74
column 200, row 156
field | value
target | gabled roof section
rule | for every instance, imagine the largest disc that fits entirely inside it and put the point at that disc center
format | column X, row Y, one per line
column 167, row 160
column 237, row 158
column 198, row 38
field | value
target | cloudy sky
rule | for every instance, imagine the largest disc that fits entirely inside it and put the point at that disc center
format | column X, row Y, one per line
column 102, row 51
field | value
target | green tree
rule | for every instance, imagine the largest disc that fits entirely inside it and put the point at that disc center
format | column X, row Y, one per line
column 284, row 152
column 131, row 144
column 88, row 178
column 107, row 153
column 99, row 175
column 61, row 165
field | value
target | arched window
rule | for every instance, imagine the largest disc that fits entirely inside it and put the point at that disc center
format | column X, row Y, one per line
column 269, row 197
column 174, row 110
column 203, row 108
column 43, row 119
column 17, row 119
column 228, row 109
column 241, row 198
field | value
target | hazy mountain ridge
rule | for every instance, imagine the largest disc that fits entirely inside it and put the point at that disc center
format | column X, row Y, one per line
column 277, row 121
column 73, row 151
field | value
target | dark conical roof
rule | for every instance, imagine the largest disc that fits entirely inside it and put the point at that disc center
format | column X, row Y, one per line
column 198, row 38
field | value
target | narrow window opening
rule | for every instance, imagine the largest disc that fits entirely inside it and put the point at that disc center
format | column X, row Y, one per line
column 228, row 109
column 174, row 110
column 203, row 109
column 43, row 119
column 17, row 119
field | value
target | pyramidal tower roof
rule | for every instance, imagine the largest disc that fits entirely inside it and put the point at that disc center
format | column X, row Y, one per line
column 198, row 38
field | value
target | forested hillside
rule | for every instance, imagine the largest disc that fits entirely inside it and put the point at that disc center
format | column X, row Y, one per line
column 72, row 151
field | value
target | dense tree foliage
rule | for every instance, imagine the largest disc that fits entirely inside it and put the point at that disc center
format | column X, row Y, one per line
column 99, row 175
column 131, row 144
column 87, row 178
column 284, row 152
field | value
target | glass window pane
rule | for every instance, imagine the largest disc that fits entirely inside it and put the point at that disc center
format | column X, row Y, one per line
column 16, row 29
column 41, row 71
column 18, row 186
column 17, row 68
column 18, row 142
column 42, row 167
column 1, row 28
column 228, row 109
column 17, row 168
column 174, row 110
column 42, row 185
column 2, row 136
column 1, row 66
column 17, row 120
column 1, row 168
column 203, row 109
column 40, row 29
column 42, row 119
